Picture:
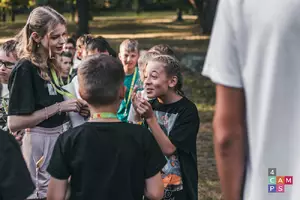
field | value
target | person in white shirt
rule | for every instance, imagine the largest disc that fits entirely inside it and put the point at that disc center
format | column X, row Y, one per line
column 8, row 59
column 254, row 60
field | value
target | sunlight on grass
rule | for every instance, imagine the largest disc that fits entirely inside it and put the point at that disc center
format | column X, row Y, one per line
column 205, row 107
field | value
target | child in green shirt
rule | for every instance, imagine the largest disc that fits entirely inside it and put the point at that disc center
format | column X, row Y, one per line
column 129, row 54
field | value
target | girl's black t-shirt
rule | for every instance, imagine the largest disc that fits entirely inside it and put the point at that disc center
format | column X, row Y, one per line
column 180, row 122
column 29, row 93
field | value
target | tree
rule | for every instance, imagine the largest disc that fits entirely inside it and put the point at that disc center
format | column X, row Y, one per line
column 56, row 4
column 83, row 17
column 206, row 10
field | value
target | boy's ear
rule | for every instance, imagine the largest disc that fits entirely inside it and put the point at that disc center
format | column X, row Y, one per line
column 119, row 55
column 173, row 81
column 122, row 92
column 35, row 36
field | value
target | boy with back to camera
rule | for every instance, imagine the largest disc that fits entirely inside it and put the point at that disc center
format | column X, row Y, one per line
column 105, row 157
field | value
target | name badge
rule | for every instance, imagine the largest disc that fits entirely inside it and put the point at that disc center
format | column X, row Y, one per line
column 51, row 90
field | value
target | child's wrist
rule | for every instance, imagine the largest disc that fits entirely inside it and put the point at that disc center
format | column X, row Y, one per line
column 151, row 119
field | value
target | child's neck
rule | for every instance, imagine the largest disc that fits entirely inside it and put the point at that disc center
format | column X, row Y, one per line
column 128, row 71
column 170, row 97
column 104, row 109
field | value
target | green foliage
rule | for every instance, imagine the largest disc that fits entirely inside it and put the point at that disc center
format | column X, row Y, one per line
column 8, row 4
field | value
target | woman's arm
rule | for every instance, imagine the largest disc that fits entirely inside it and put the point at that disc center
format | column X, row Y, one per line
column 19, row 122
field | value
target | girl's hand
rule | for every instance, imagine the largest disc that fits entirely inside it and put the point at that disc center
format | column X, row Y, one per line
column 135, row 99
column 84, row 111
column 19, row 136
column 71, row 105
column 144, row 108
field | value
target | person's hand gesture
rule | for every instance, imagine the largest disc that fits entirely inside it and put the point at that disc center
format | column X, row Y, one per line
column 71, row 105
column 84, row 111
column 19, row 136
column 135, row 98
column 144, row 108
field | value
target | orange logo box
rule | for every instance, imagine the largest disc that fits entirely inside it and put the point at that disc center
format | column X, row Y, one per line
column 284, row 180
column 280, row 180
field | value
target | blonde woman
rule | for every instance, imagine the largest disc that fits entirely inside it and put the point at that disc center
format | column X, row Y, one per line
column 36, row 102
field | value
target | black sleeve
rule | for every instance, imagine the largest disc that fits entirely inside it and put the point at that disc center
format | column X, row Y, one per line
column 58, row 166
column 15, row 180
column 154, row 158
column 184, row 133
column 21, row 100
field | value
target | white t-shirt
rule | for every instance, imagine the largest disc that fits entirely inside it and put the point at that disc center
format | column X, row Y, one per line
column 76, row 62
column 5, row 92
column 255, row 45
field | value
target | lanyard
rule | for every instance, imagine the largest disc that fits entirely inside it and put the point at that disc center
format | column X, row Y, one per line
column 57, row 86
column 4, row 105
column 55, row 78
column 131, row 88
column 104, row 115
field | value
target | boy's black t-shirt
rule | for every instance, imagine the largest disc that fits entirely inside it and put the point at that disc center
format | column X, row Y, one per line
column 106, row 160
column 180, row 122
column 29, row 93
column 15, row 180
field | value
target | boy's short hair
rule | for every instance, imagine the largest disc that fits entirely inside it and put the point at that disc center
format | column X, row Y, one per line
column 71, row 41
column 110, row 50
column 9, row 47
column 66, row 54
column 100, row 78
column 97, row 43
column 130, row 45
column 163, row 49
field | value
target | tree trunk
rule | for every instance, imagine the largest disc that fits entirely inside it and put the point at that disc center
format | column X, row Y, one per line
column 57, row 5
column 206, row 10
column 73, row 12
column 83, row 17
column 209, row 15
column 179, row 15
column 136, row 6
column 13, row 14
column 3, row 15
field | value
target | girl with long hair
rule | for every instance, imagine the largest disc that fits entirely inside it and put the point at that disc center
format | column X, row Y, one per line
column 36, row 102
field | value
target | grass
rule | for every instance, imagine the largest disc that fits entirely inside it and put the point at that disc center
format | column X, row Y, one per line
column 151, row 28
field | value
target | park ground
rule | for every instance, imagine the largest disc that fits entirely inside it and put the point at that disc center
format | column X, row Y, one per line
column 184, row 37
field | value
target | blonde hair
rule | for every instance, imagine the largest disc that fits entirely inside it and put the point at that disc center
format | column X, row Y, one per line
column 142, row 62
column 41, row 20
column 130, row 45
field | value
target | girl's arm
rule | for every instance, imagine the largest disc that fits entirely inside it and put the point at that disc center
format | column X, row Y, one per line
column 19, row 122
column 145, row 109
column 166, row 146
column 57, row 189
